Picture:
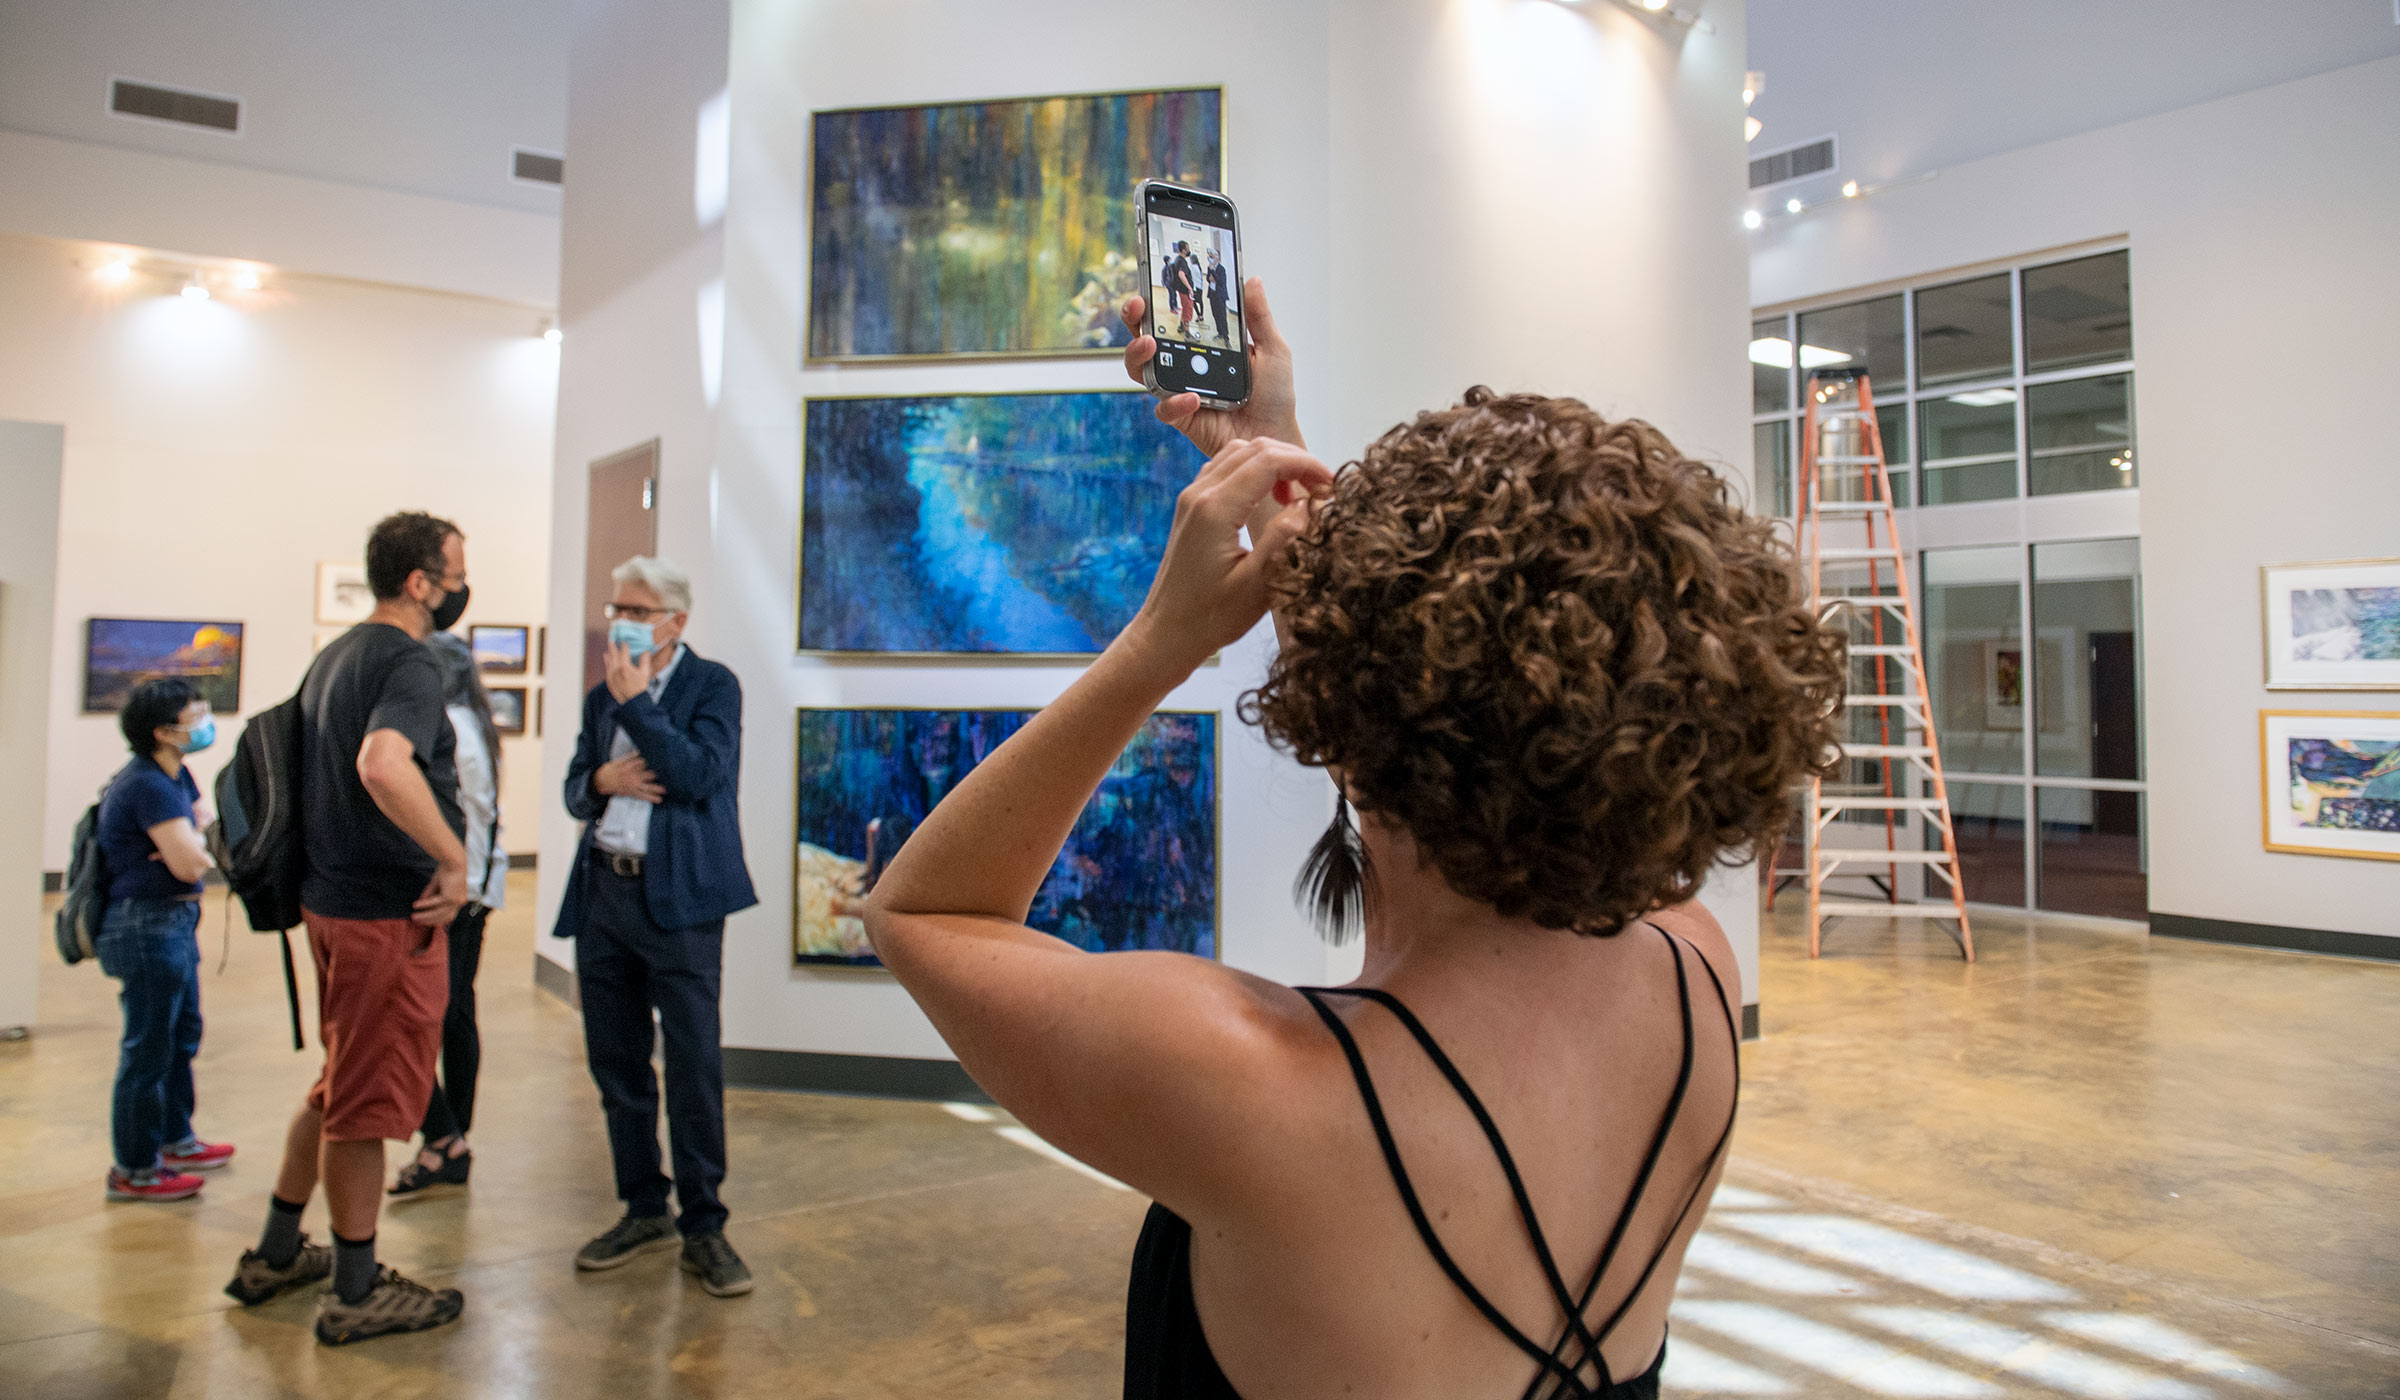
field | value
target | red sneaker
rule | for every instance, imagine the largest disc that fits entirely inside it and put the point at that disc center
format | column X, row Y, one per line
column 197, row 1157
column 152, row 1186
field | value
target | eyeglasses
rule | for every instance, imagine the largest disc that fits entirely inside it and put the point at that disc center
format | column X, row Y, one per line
column 634, row 612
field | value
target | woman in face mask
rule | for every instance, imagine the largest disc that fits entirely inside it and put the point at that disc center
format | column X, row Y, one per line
column 149, row 832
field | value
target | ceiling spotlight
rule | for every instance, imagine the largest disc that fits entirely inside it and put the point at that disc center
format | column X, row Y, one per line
column 1751, row 218
column 194, row 290
column 552, row 333
column 1849, row 189
column 1753, row 83
column 1751, row 126
column 115, row 270
column 1793, row 206
column 245, row 279
column 1653, row 6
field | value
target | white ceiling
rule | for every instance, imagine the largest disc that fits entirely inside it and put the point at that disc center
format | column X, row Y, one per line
column 425, row 96
column 1912, row 86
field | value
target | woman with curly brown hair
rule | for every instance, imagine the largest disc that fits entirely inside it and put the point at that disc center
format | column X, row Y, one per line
column 1560, row 675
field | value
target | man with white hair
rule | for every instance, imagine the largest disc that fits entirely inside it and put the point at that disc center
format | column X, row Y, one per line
column 654, row 780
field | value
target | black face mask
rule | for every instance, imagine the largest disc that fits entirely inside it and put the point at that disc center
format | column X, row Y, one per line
column 452, row 609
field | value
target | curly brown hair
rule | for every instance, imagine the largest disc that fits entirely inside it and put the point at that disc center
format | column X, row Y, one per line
column 1558, row 653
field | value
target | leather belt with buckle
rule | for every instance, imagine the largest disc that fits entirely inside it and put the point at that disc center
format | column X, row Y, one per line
column 619, row 863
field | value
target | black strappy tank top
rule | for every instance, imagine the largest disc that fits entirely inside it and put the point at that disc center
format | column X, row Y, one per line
column 1167, row 1356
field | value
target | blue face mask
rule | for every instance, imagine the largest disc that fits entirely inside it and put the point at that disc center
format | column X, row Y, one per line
column 636, row 637
column 201, row 736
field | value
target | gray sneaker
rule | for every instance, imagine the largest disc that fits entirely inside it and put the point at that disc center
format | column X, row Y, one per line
column 394, row 1304
column 255, row 1280
column 720, row 1270
column 629, row 1238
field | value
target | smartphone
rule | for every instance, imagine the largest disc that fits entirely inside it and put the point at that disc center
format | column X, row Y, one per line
column 1191, row 246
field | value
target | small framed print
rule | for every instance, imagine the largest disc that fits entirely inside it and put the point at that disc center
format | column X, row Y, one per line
column 2333, row 625
column 499, row 649
column 2330, row 782
column 508, row 708
column 343, row 596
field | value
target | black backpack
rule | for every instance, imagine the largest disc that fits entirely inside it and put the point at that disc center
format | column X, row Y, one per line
column 255, row 839
column 87, row 888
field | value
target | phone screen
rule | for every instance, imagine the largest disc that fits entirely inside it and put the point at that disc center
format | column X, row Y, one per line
column 1196, row 296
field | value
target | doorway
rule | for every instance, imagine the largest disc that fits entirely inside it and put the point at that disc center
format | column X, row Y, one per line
column 620, row 522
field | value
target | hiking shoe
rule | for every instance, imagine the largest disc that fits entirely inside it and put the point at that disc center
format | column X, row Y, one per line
column 632, row 1236
column 256, row 1280
column 416, row 1177
column 394, row 1304
column 719, row 1269
column 159, row 1185
column 196, row 1156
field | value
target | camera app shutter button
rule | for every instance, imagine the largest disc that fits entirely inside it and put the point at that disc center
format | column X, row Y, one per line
column 1199, row 364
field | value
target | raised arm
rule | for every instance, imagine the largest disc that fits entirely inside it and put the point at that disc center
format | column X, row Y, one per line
column 1143, row 1064
column 693, row 761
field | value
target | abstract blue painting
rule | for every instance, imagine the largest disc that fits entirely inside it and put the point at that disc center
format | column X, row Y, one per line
column 1139, row 871
column 1025, row 523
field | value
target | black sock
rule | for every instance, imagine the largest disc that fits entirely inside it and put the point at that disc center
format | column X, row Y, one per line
column 281, row 1242
column 353, row 1267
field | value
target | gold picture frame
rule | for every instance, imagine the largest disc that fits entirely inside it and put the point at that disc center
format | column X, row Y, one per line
column 2292, row 815
column 811, row 357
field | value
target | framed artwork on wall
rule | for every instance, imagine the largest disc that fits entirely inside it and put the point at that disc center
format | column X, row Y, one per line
column 1139, row 871
column 500, row 649
column 1025, row 524
column 990, row 228
column 2330, row 783
column 2333, row 625
column 342, row 593
column 508, row 708
column 119, row 653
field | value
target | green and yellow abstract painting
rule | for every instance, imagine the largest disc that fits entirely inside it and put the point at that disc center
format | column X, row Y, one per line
column 991, row 228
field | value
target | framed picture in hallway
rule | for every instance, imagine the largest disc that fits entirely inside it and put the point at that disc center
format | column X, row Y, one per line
column 2333, row 625
column 343, row 596
column 119, row 653
column 1139, row 871
column 2331, row 782
column 508, row 708
column 500, row 650
column 990, row 228
column 1026, row 524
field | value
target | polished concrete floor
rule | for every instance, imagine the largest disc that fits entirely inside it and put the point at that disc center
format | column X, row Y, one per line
column 2091, row 1165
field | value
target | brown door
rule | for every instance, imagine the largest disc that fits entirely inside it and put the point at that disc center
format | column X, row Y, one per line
column 621, row 522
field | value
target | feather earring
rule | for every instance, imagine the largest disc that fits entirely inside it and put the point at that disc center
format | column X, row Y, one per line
column 1335, row 881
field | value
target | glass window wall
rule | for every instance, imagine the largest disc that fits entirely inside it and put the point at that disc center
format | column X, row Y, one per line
column 1970, row 447
column 2078, row 313
column 2086, row 622
column 1770, row 367
column 2080, row 432
column 2092, row 856
column 1966, row 331
column 1975, row 657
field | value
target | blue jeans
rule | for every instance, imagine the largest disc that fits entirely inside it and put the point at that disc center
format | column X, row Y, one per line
column 152, row 946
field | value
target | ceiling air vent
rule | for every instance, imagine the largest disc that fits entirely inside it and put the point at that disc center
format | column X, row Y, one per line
column 163, row 104
column 540, row 167
column 1792, row 163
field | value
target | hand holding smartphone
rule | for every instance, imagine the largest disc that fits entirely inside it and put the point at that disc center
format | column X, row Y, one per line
column 1190, row 247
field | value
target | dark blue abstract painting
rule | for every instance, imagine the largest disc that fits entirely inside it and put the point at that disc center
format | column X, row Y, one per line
column 983, row 523
column 1139, row 871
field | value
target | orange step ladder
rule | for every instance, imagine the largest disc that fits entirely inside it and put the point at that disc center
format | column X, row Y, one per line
column 1849, row 536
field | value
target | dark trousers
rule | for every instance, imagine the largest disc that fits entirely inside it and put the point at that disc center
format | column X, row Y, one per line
column 152, row 947
column 451, row 1109
column 626, row 966
column 1216, row 303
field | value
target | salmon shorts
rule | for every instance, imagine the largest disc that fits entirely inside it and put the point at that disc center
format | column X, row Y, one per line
column 382, row 986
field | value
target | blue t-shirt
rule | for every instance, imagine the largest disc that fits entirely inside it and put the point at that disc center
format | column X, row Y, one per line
column 139, row 798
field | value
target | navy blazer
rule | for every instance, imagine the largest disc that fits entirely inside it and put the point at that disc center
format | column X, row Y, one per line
column 691, row 737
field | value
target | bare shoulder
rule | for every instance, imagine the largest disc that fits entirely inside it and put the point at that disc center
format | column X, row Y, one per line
column 1691, row 921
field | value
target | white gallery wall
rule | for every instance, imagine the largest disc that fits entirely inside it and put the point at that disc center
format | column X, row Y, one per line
column 32, row 457
column 2264, row 284
column 216, row 451
column 1343, row 182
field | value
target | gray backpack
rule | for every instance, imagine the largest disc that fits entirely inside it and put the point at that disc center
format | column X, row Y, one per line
column 87, row 889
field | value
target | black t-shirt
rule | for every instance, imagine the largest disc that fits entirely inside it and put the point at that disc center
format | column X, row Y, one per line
column 139, row 798
column 360, row 865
